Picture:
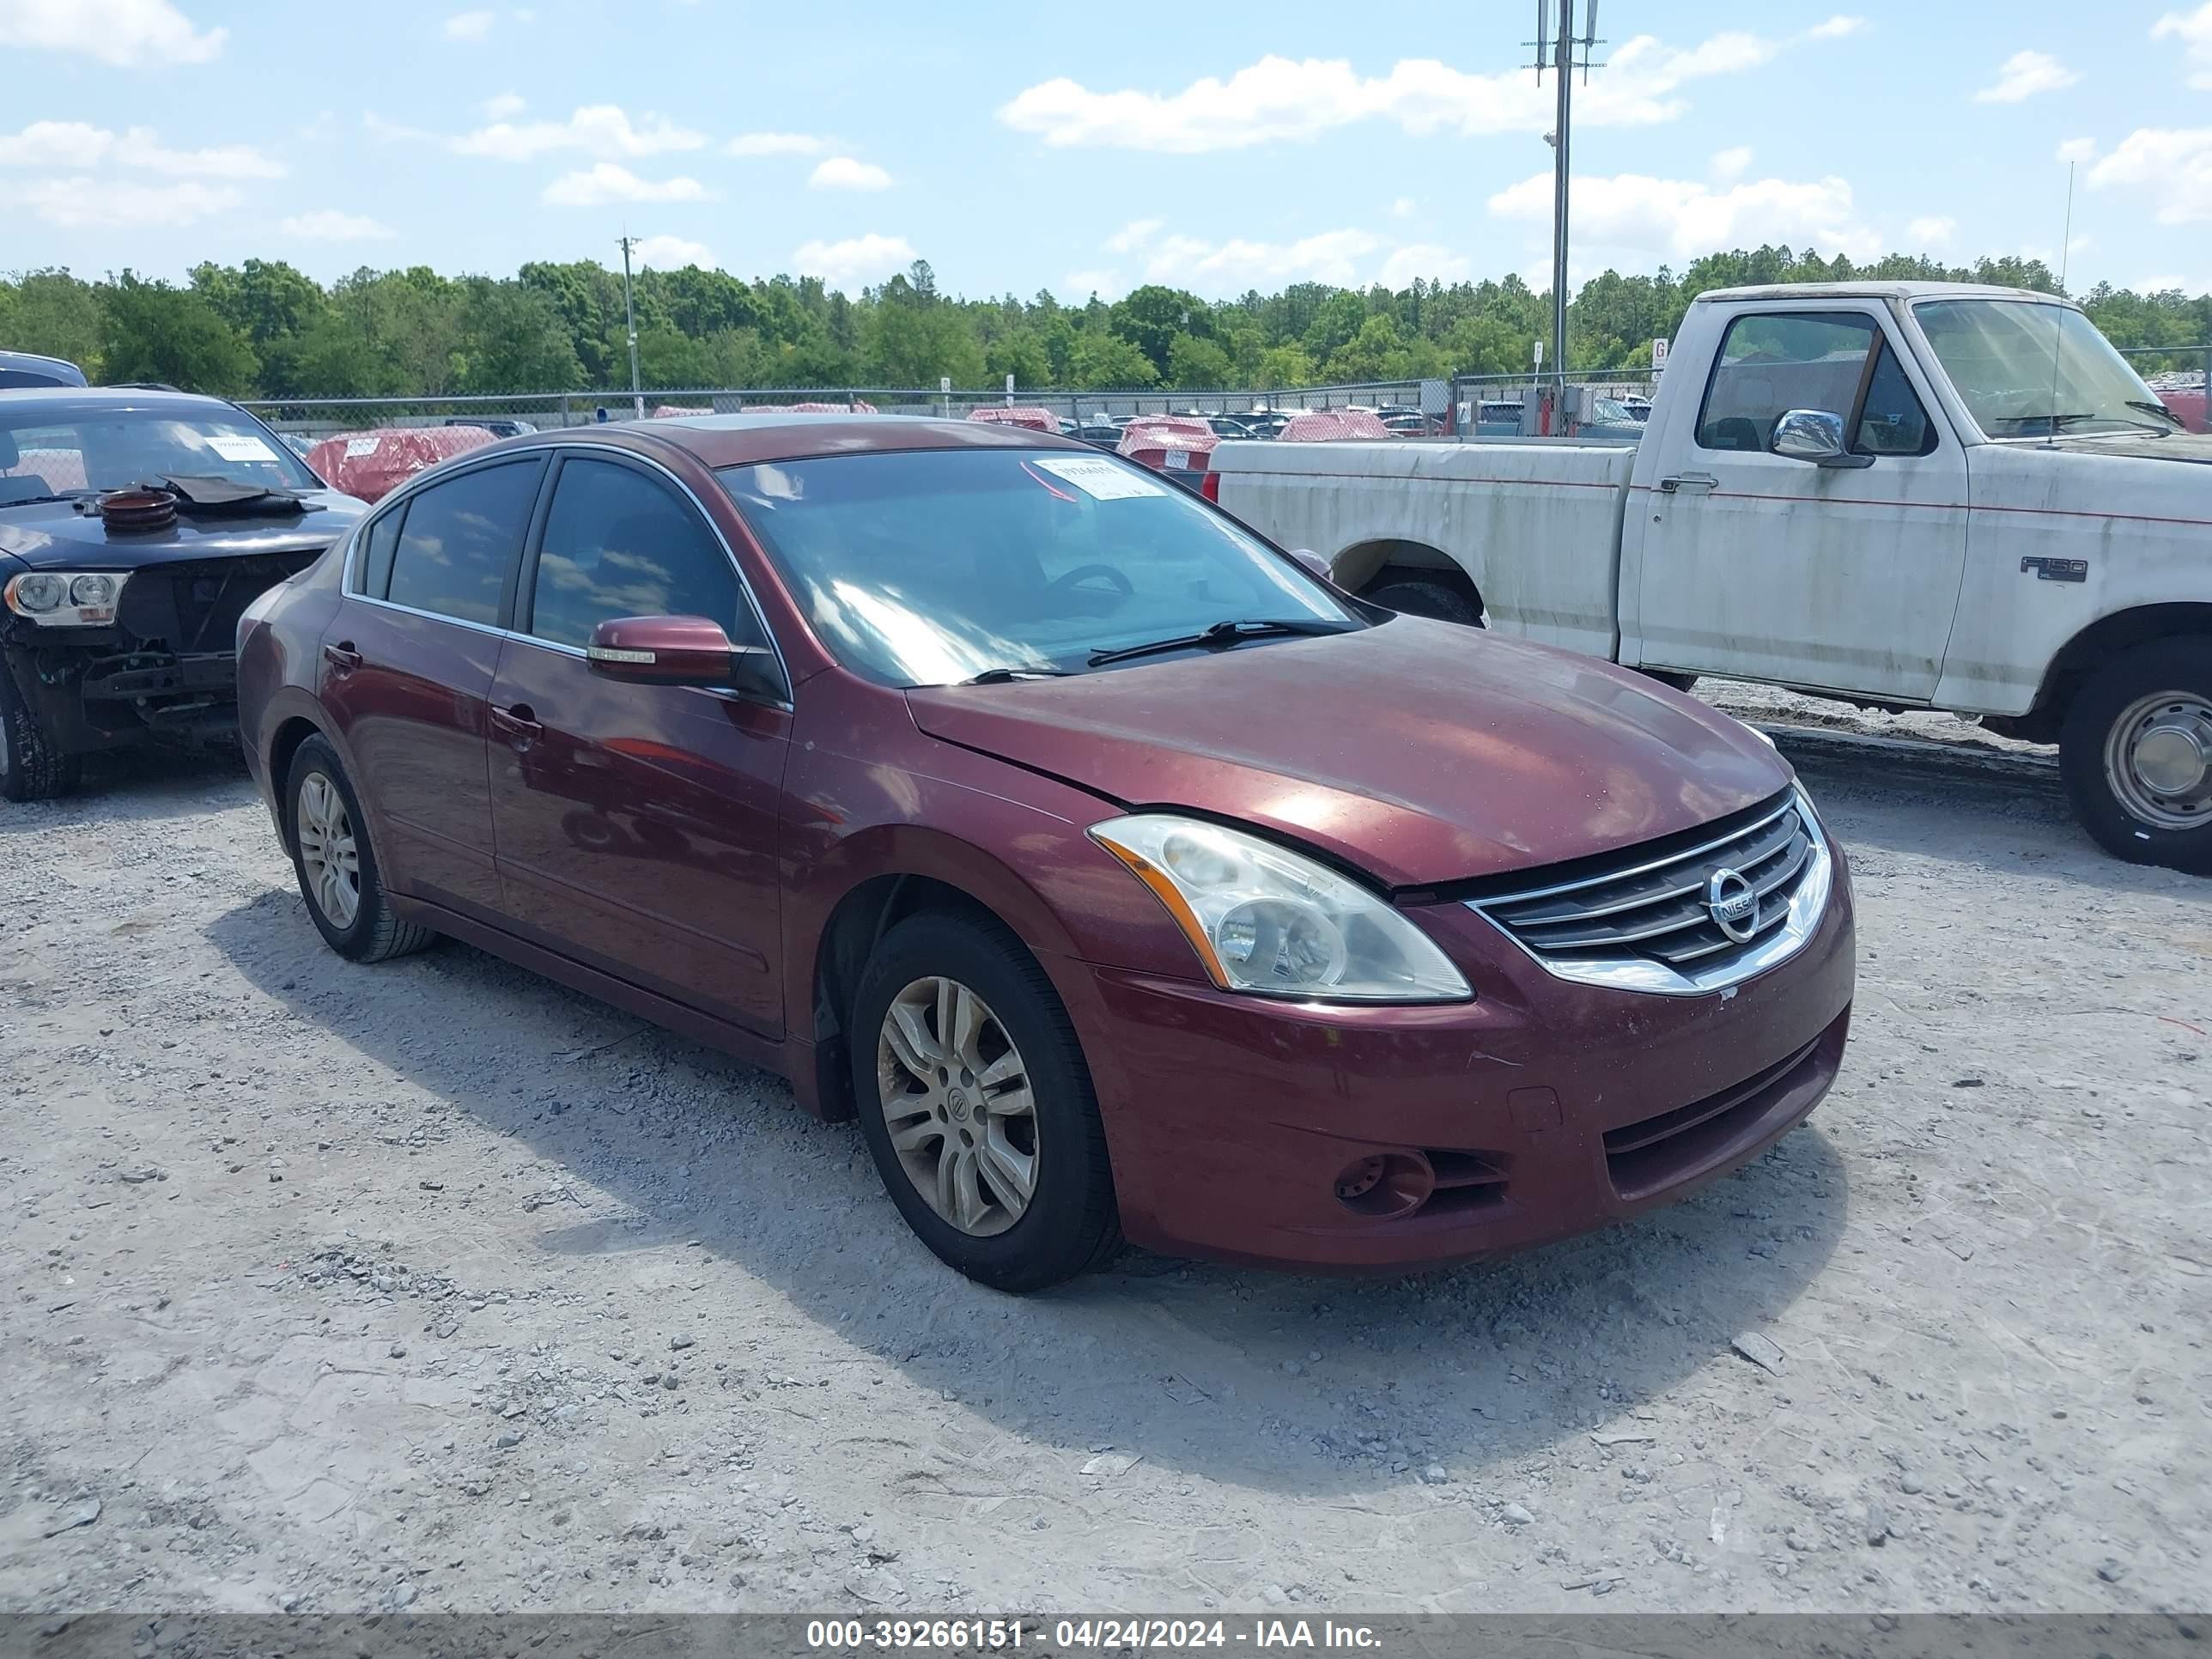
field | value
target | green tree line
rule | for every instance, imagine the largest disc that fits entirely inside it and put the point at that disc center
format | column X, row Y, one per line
column 265, row 329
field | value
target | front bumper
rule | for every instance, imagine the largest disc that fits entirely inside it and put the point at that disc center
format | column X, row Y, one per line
column 1380, row 1138
column 98, row 691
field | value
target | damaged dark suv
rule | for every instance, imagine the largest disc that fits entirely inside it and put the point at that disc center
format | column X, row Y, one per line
column 136, row 527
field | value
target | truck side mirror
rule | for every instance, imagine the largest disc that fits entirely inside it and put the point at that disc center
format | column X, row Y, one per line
column 1814, row 436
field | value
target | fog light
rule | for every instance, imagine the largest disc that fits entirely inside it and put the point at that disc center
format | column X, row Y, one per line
column 1359, row 1179
column 1385, row 1185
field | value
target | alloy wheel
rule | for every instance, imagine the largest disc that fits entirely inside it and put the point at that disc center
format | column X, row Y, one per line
column 956, row 1099
column 328, row 852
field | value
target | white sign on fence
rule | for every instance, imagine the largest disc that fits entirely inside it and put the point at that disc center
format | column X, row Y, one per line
column 1658, row 355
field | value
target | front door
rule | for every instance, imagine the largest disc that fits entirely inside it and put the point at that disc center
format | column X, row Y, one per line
column 407, row 667
column 637, row 824
column 1832, row 578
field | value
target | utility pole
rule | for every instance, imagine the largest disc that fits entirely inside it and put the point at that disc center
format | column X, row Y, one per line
column 629, row 318
column 1560, row 43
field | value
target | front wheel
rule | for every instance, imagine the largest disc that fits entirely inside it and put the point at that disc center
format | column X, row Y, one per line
column 1432, row 599
column 977, row 1106
column 32, row 766
column 2137, row 754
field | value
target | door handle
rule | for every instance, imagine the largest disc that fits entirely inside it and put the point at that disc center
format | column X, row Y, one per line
column 342, row 656
column 1692, row 483
column 518, row 724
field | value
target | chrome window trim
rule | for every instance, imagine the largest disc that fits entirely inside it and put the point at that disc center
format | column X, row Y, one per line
column 550, row 452
column 1808, row 905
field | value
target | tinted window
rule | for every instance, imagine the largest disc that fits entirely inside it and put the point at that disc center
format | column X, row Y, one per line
column 1773, row 362
column 618, row 542
column 1893, row 421
column 376, row 549
column 460, row 539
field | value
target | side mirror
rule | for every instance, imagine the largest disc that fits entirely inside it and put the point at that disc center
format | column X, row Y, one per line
column 1313, row 564
column 1816, row 436
column 682, row 651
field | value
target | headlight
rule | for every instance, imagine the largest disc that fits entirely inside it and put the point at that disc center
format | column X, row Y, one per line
column 39, row 592
column 58, row 598
column 1264, row 918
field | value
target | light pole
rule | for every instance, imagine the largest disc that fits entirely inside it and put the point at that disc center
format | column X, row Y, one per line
column 1560, row 46
column 629, row 319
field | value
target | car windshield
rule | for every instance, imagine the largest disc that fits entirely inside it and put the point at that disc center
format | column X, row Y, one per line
column 931, row 567
column 53, row 448
column 2028, row 370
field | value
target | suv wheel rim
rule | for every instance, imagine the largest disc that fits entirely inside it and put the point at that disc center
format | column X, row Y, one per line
column 327, row 851
column 955, row 1096
column 2157, row 760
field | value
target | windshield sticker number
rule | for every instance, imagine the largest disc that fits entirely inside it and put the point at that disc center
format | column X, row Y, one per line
column 240, row 447
column 357, row 447
column 1101, row 480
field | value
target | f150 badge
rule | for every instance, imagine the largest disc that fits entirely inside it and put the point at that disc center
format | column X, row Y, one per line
column 2056, row 570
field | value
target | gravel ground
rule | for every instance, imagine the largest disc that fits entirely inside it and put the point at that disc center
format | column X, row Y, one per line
column 338, row 1289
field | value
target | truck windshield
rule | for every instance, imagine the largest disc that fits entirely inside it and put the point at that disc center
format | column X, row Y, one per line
column 56, row 447
column 2032, row 371
column 931, row 567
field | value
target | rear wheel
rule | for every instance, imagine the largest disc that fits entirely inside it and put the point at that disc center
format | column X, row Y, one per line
column 1432, row 599
column 32, row 766
column 977, row 1106
column 337, row 866
column 2137, row 753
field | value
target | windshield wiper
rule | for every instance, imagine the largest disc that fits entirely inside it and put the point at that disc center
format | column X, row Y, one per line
column 2161, row 411
column 1220, row 633
column 1002, row 676
column 33, row 501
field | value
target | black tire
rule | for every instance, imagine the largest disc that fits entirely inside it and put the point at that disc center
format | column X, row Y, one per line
column 1071, row 1224
column 1673, row 678
column 2182, row 665
column 1432, row 599
column 374, row 933
column 32, row 766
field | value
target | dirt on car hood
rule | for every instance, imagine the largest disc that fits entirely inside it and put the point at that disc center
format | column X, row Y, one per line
column 1418, row 751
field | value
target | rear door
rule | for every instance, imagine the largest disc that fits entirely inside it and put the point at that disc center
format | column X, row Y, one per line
column 637, row 824
column 408, row 665
column 1838, row 578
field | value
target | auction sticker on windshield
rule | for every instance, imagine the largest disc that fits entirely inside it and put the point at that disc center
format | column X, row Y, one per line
column 1101, row 480
column 357, row 447
column 240, row 447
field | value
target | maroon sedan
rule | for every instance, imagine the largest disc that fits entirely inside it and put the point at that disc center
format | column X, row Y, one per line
column 1124, row 879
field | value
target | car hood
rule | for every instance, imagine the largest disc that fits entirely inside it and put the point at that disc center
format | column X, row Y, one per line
column 2151, row 447
column 54, row 535
column 1420, row 752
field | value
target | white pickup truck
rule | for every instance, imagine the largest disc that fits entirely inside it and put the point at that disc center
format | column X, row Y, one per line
column 1901, row 494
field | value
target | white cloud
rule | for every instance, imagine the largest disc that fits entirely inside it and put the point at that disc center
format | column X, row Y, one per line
column 606, row 184
column 2170, row 284
column 855, row 260
column 1730, row 163
column 1079, row 285
column 80, row 145
column 604, row 128
column 1342, row 257
column 2194, row 30
column 843, row 173
column 329, row 225
column 1404, row 208
column 1133, row 236
column 1835, row 28
column 1437, row 265
column 469, row 25
column 82, row 202
column 2174, row 163
column 777, row 143
column 1682, row 218
column 504, row 106
column 671, row 253
column 124, row 33
column 1933, row 232
column 2025, row 74
column 2078, row 149
column 1278, row 98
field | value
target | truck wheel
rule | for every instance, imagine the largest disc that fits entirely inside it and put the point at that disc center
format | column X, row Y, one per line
column 1673, row 678
column 2137, row 754
column 1426, row 600
column 31, row 767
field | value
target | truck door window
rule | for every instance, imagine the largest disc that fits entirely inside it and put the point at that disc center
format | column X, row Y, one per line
column 1891, row 420
column 1772, row 362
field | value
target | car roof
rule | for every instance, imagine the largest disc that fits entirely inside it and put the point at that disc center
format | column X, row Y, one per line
column 33, row 363
column 720, row 441
column 1877, row 291
column 85, row 400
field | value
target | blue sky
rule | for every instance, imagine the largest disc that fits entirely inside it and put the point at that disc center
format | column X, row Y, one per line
column 1020, row 146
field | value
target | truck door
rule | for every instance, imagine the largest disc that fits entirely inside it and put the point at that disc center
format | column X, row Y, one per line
column 1844, row 577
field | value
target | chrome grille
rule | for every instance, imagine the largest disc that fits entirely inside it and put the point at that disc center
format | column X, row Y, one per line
column 1653, row 924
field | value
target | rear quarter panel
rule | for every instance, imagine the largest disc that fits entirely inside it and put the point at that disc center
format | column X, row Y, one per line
column 1536, row 526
